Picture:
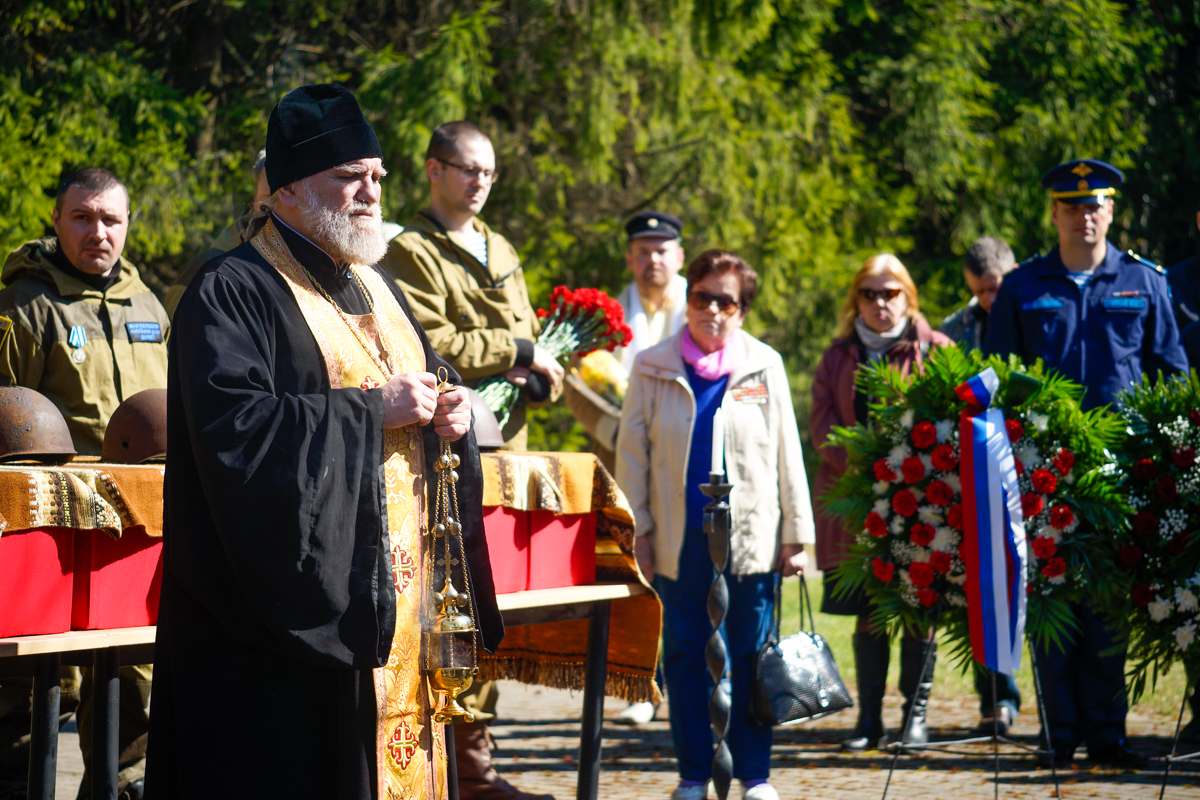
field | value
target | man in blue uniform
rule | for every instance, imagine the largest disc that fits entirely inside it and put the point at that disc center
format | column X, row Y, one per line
column 1102, row 318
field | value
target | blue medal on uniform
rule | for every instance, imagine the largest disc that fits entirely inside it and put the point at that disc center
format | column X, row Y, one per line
column 77, row 340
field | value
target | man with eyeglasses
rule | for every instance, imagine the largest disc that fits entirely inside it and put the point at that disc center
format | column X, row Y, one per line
column 465, row 285
column 1102, row 318
column 464, row 280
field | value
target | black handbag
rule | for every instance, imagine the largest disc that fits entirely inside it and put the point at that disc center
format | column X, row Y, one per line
column 796, row 679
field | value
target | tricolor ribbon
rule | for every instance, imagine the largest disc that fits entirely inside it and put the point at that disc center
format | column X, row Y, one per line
column 993, row 546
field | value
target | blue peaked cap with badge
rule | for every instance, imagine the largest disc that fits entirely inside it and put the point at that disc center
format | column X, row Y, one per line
column 1084, row 180
column 654, row 224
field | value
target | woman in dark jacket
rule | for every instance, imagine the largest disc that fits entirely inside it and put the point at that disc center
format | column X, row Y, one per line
column 880, row 322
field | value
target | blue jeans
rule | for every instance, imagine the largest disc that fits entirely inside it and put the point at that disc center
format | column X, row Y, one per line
column 685, row 631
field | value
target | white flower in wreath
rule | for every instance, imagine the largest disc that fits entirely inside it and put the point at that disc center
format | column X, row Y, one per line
column 882, row 507
column 927, row 460
column 1057, row 580
column 1160, row 608
column 909, row 595
column 897, row 455
column 953, row 482
column 906, row 419
column 905, row 581
column 1185, row 600
column 1176, row 431
column 862, row 537
column 880, row 487
column 1185, row 635
column 1027, row 451
column 1051, row 532
column 1040, row 421
column 945, row 430
column 1136, row 501
column 929, row 515
column 956, row 599
column 945, row 539
column 898, row 525
column 957, row 578
column 1194, row 580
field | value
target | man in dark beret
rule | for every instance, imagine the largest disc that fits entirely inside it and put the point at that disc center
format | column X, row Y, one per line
column 302, row 414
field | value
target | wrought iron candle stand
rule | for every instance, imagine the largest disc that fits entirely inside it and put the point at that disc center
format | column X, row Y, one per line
column 716, row 525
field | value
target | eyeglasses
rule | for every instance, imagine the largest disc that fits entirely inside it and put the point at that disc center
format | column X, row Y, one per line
column 871, row 295
column 702, row 301
column 486, row 175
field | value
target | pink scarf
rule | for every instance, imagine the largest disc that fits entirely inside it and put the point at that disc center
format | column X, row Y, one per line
column 713, row 365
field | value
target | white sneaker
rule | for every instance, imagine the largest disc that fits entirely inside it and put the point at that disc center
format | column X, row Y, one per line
column 636, row 714
column 690, row 792
column 763, row 791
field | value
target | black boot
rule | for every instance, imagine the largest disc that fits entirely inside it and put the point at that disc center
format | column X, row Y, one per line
column 914, row 689
column 871, row 655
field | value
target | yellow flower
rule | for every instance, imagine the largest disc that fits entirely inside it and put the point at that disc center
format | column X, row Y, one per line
column 604, row 375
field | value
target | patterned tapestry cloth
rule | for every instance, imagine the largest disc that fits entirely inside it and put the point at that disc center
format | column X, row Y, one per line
column 553, row 653
column 109, row 498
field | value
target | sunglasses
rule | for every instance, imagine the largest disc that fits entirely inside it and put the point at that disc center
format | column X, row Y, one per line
column 702, row 301
column 871, row 295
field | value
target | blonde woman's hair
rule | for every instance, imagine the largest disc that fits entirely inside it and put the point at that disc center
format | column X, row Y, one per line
column 882, row 264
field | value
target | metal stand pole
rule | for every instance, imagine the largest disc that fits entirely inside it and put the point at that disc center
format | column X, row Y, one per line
column 1045, row 720
column 43, row 756
column 898, row 747
column 1175, row 745
column 716, row 525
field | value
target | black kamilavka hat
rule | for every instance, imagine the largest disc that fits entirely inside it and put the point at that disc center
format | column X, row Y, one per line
column 314, row 128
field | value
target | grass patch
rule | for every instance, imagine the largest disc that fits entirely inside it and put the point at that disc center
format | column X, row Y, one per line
column 950, row 679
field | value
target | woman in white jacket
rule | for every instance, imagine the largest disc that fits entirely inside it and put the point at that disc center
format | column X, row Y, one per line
column 663, row 455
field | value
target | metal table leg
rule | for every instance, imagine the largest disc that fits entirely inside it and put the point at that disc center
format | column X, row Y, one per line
column 595, row 673
column 43, row 737
column 106, row 698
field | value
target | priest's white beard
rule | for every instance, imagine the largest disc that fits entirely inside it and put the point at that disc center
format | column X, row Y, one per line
column 347, row 239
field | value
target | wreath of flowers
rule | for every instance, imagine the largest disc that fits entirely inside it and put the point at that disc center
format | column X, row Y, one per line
column 902, row 492
column 1160, row 550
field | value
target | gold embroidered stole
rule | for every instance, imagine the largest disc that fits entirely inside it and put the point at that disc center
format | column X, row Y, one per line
column 410, row 748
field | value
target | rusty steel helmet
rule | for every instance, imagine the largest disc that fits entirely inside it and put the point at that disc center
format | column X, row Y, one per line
column 487, row 430
column 32, row 428
column 137, row 431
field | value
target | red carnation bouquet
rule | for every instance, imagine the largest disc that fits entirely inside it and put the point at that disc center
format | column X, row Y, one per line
column 576, row 323
column 903, row 491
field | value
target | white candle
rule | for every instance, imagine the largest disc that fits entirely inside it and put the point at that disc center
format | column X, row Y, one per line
column 718, row 442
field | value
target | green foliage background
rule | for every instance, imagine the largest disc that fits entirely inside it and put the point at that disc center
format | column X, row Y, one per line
column 804, row 134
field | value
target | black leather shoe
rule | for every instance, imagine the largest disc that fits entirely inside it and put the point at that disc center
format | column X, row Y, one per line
column 1063, row 756
column 1119, row 754
column 134, row 791
column 998, row 722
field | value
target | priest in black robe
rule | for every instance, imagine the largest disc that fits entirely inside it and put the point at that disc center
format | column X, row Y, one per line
column 279, row 600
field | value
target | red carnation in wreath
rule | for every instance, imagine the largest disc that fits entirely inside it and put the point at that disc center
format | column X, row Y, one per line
column 924, row 435
column 1179, row 543
column 922, row 534
column 1143, row 594
column 1129, row 555
column 944, row 458
column 1043, row 481
column 1145, row 470
column 1054, row 567
column 1044, row 547
column 884, row 570
column 883, row 472
column 1061, row 516
column 904, row 502
column 954, row 516
column 1195, row 417
column 1145, row 523
column 939, row 493
column 1166, row 489
column 876, row 526
column 1016, row 431
column 1031, row 504
column 913, row 469
column 927, row 597
column 1063, row 462
column 941, row 562
column 1184, row 457
column 921, row 574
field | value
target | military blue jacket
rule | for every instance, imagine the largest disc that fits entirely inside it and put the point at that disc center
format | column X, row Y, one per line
column 1105, row 336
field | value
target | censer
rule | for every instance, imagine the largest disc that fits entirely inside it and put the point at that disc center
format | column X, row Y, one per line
column 450, row 662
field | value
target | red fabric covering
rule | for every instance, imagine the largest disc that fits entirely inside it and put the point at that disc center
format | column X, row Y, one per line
column 116, row 581
column 35, row 581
